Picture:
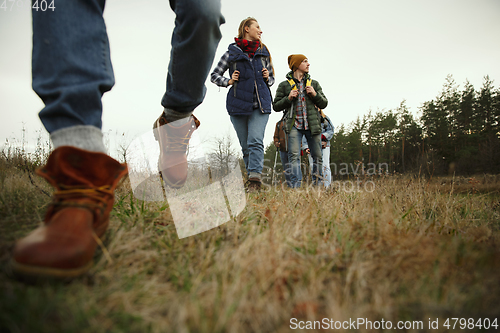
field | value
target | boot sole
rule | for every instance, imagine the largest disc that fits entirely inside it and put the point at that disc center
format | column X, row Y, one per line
column 33, row 273
column 38, row 272
column 173, row 185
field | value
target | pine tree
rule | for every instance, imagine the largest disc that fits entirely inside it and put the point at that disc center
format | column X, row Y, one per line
column 409, row 137
column 488, row 118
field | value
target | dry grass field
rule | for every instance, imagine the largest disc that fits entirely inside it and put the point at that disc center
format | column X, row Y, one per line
column 411, row 252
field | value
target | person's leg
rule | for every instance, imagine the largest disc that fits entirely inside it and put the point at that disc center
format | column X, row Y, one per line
column 194, row 42
column 286, row 167
column 256, row 127
column 314, row 143
column 327, row 173
column 294, row 143
column 240, row 124
column 71, row 70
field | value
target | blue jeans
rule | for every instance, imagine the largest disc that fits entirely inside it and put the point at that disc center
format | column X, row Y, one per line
column 327, row 172
column 286, row 167
column 71, row 65
column 294, row 147
column 250, row 131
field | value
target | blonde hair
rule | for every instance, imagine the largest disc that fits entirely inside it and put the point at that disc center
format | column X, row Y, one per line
column 245, row 23
column 241, row 34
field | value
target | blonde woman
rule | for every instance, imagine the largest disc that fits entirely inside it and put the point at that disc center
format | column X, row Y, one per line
column 249, row 98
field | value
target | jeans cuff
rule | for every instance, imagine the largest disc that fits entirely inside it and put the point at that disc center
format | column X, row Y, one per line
column 82, row 136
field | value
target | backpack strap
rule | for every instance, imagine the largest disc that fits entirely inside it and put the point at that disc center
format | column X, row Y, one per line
column 235, row 84
column 294, row 85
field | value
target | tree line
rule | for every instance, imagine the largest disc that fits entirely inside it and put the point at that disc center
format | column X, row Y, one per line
column 458, row 132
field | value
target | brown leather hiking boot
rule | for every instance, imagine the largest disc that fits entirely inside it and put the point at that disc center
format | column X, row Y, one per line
column 174, row 142
column 63, row 246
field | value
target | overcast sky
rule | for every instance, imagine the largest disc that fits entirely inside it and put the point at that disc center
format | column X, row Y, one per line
column 366, row 54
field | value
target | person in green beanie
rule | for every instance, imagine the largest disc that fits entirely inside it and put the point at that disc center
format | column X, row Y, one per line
column 301, row 97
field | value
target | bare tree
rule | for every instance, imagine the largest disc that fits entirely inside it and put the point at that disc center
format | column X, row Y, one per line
column 223, row 156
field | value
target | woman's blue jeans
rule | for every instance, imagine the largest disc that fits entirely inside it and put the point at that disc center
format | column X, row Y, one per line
column 250, row 131
column 294, row 147
column 71, row 64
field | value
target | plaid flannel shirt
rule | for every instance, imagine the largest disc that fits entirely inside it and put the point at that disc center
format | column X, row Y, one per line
column 301, row 108
column 218, row 78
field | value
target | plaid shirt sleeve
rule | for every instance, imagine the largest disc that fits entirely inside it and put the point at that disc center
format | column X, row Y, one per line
column 217, row 75
column 269, row 66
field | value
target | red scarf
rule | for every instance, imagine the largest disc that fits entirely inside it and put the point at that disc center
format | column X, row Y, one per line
column 247, row 46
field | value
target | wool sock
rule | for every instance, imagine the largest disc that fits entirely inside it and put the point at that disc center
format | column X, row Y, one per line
column 176, row 118
column 81, row 136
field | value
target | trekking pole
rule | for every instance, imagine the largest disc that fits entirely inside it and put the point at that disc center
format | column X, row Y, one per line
column 274, row 168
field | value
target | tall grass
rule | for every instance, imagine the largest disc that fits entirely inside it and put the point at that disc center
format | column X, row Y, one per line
column 410, row 250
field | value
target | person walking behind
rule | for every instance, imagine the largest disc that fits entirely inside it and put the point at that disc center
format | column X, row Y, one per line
column 326, row 135
column 280, row 139
column 71, row 69
column 249, row 99
column 301, row 97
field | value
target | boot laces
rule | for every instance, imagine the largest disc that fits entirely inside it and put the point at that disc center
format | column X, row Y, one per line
column 69, row 196
column 174, row 143
column 179, row 143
